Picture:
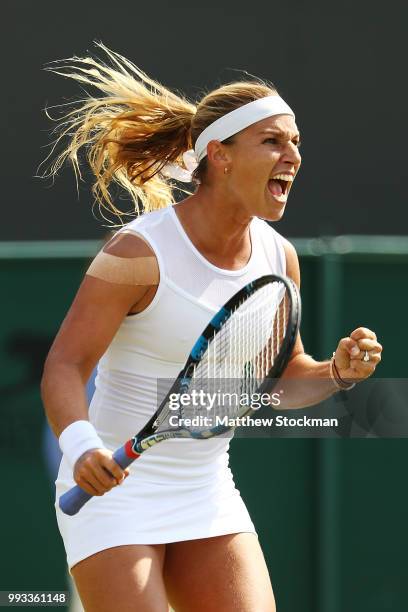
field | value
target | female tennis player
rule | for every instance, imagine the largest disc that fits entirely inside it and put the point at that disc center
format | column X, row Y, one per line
column 172, row 529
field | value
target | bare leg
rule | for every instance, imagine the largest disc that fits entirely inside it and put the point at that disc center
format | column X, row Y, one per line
column 75, row 604
column 125, row 578
column 222, row 574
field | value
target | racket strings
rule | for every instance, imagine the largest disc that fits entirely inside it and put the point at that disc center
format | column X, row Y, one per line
column 241, row 354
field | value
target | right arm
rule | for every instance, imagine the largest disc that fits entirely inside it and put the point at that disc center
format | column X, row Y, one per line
column 89, row 327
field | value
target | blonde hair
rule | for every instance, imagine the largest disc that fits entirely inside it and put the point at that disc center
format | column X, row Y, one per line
column 135, row 128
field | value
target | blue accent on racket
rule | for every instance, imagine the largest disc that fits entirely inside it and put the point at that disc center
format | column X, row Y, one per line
column 221, row 316
column 199, row 348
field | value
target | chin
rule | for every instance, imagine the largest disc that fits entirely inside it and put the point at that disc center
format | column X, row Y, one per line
column 274, row 213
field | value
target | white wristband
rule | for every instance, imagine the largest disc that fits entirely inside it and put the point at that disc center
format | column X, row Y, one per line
column 78, row 438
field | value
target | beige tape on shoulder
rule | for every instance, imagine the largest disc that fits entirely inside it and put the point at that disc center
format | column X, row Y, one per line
column 125, row 270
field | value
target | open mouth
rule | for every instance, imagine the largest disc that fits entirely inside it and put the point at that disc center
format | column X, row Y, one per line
column 279, row 185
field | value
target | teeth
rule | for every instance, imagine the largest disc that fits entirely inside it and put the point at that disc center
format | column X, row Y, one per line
column 284, row 177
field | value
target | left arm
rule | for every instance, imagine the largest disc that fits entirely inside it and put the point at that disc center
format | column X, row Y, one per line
column 348, row 357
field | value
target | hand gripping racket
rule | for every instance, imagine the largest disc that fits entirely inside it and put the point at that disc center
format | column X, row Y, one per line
column 245, row 349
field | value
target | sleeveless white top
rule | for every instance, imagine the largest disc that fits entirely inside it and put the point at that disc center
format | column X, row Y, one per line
column 155, row 344
column 152, row 345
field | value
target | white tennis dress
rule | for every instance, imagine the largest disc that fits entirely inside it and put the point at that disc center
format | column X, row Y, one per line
column 178, row 489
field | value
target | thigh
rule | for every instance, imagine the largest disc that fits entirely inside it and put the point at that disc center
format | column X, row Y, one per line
column 222, row 574
column 125, row 578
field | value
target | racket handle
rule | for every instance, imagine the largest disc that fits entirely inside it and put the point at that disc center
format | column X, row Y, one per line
column 72, row 501
column 122, row 456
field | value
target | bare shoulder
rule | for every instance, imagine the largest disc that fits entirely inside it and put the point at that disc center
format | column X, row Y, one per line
column 121, row 280
column 128, row 244
column 127, row 259
column 292, row 261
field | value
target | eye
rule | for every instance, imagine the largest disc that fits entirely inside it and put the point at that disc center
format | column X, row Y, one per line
column 273, row 140
column 297, row 143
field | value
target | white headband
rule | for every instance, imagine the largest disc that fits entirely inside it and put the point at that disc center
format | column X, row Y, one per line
column 223, row 128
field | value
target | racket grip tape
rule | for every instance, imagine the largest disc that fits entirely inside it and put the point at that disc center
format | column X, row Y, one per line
column 72, row 501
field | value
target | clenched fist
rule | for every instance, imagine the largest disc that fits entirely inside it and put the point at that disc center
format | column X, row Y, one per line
column 358, row 355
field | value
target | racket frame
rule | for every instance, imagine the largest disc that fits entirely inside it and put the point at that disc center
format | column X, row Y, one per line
column 73, row 500
column 147, row 437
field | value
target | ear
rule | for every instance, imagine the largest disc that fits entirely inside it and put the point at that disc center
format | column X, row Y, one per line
column 218, row 154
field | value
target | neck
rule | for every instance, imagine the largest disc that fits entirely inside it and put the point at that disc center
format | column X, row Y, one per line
column 217, row 228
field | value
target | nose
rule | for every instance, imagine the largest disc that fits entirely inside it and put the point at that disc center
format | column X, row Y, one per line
column 292, row 154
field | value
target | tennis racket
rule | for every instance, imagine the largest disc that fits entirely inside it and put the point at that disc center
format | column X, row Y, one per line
column 244, row 349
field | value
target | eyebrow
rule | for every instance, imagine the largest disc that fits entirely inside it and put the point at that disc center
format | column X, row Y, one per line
column 278, row 133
